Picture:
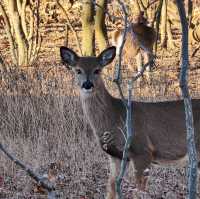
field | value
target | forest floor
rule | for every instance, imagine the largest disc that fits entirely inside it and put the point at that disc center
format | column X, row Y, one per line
column 41, row 122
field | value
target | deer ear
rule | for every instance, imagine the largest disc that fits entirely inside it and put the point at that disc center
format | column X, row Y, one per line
column 107, row 56
column 68, row 56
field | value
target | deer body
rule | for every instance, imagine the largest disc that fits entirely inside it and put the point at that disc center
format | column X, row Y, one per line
column 159, row 128
column 156, row 130
column 140, row 38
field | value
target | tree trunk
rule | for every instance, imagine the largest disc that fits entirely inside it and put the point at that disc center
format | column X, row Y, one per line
column 88, row 28
column 170, row 42
column 21, row 25
column 9, row 35
column 163, row 28
column 191, row 148
column 18, row 31
column 100, row 27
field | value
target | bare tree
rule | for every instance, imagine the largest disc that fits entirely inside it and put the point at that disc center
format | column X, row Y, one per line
column 192, row 167
column 88, row 28
column 163, row 23
column 21, row 21
column 100, row 27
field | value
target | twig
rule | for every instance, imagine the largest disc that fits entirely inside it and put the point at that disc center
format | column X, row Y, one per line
column 157, row 18
column 141, row 72
column 118, row 66
column 117, row 72
column 151, row 3
column 195, row 51
column 71, row 27
column 117, row 78
column 192, row 167
column 112, row 17
column 40, row 180
column 127, row 103
column 129, row 138
column 121, row 94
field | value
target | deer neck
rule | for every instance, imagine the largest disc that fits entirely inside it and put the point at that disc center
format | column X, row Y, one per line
column 98, row 108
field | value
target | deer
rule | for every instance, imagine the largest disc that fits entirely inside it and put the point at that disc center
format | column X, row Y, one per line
column 159, row 127
column 139, row 40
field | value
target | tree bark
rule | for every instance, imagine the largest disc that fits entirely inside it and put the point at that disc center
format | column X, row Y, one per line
column 192, row 167
column 9, row 35
column 21, row 25
column 100, row 27
column 163, row 28
column 19, row 34
column 88, row 28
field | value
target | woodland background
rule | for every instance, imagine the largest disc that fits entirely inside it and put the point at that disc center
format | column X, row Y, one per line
column 41, row 120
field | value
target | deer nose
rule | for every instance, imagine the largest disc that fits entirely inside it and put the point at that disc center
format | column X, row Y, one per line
column 87, row 85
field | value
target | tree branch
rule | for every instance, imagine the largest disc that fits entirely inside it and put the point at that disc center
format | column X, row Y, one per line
column 71, row 27
column 117, row 71
column 111, row 17
column 127, row 104
column 129, row 138
column 192, row 167
column 50, row 187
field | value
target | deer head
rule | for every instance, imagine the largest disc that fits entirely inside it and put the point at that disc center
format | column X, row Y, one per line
column 87, row 70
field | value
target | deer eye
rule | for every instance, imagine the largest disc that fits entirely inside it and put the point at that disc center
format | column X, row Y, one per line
column 97, row 71
column 78, row 71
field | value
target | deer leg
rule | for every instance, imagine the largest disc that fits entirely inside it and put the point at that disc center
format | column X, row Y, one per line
column 147, row 58
column 114, row 172
column 139, row 61
column 141, row 163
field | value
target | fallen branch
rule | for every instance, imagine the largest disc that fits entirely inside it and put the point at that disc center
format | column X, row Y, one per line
column 43, row 182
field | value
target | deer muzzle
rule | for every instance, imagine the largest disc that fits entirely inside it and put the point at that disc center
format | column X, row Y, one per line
column 87, row 86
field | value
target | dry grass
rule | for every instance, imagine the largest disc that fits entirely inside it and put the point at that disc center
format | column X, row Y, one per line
column 42, row 128
column 42, row 122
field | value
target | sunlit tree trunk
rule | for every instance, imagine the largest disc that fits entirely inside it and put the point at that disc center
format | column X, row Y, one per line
column 15, row 18
column 163, row 28
column 21, row 23
column 100, row 27
column 170, row 42
column 88, row 28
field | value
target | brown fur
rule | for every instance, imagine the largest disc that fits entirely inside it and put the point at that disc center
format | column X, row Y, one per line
column 159, row 127
column 139, row 37
column 162, row 123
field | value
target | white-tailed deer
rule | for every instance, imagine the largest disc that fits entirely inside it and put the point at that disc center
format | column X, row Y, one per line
column 139, row 40
column 160, row 133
